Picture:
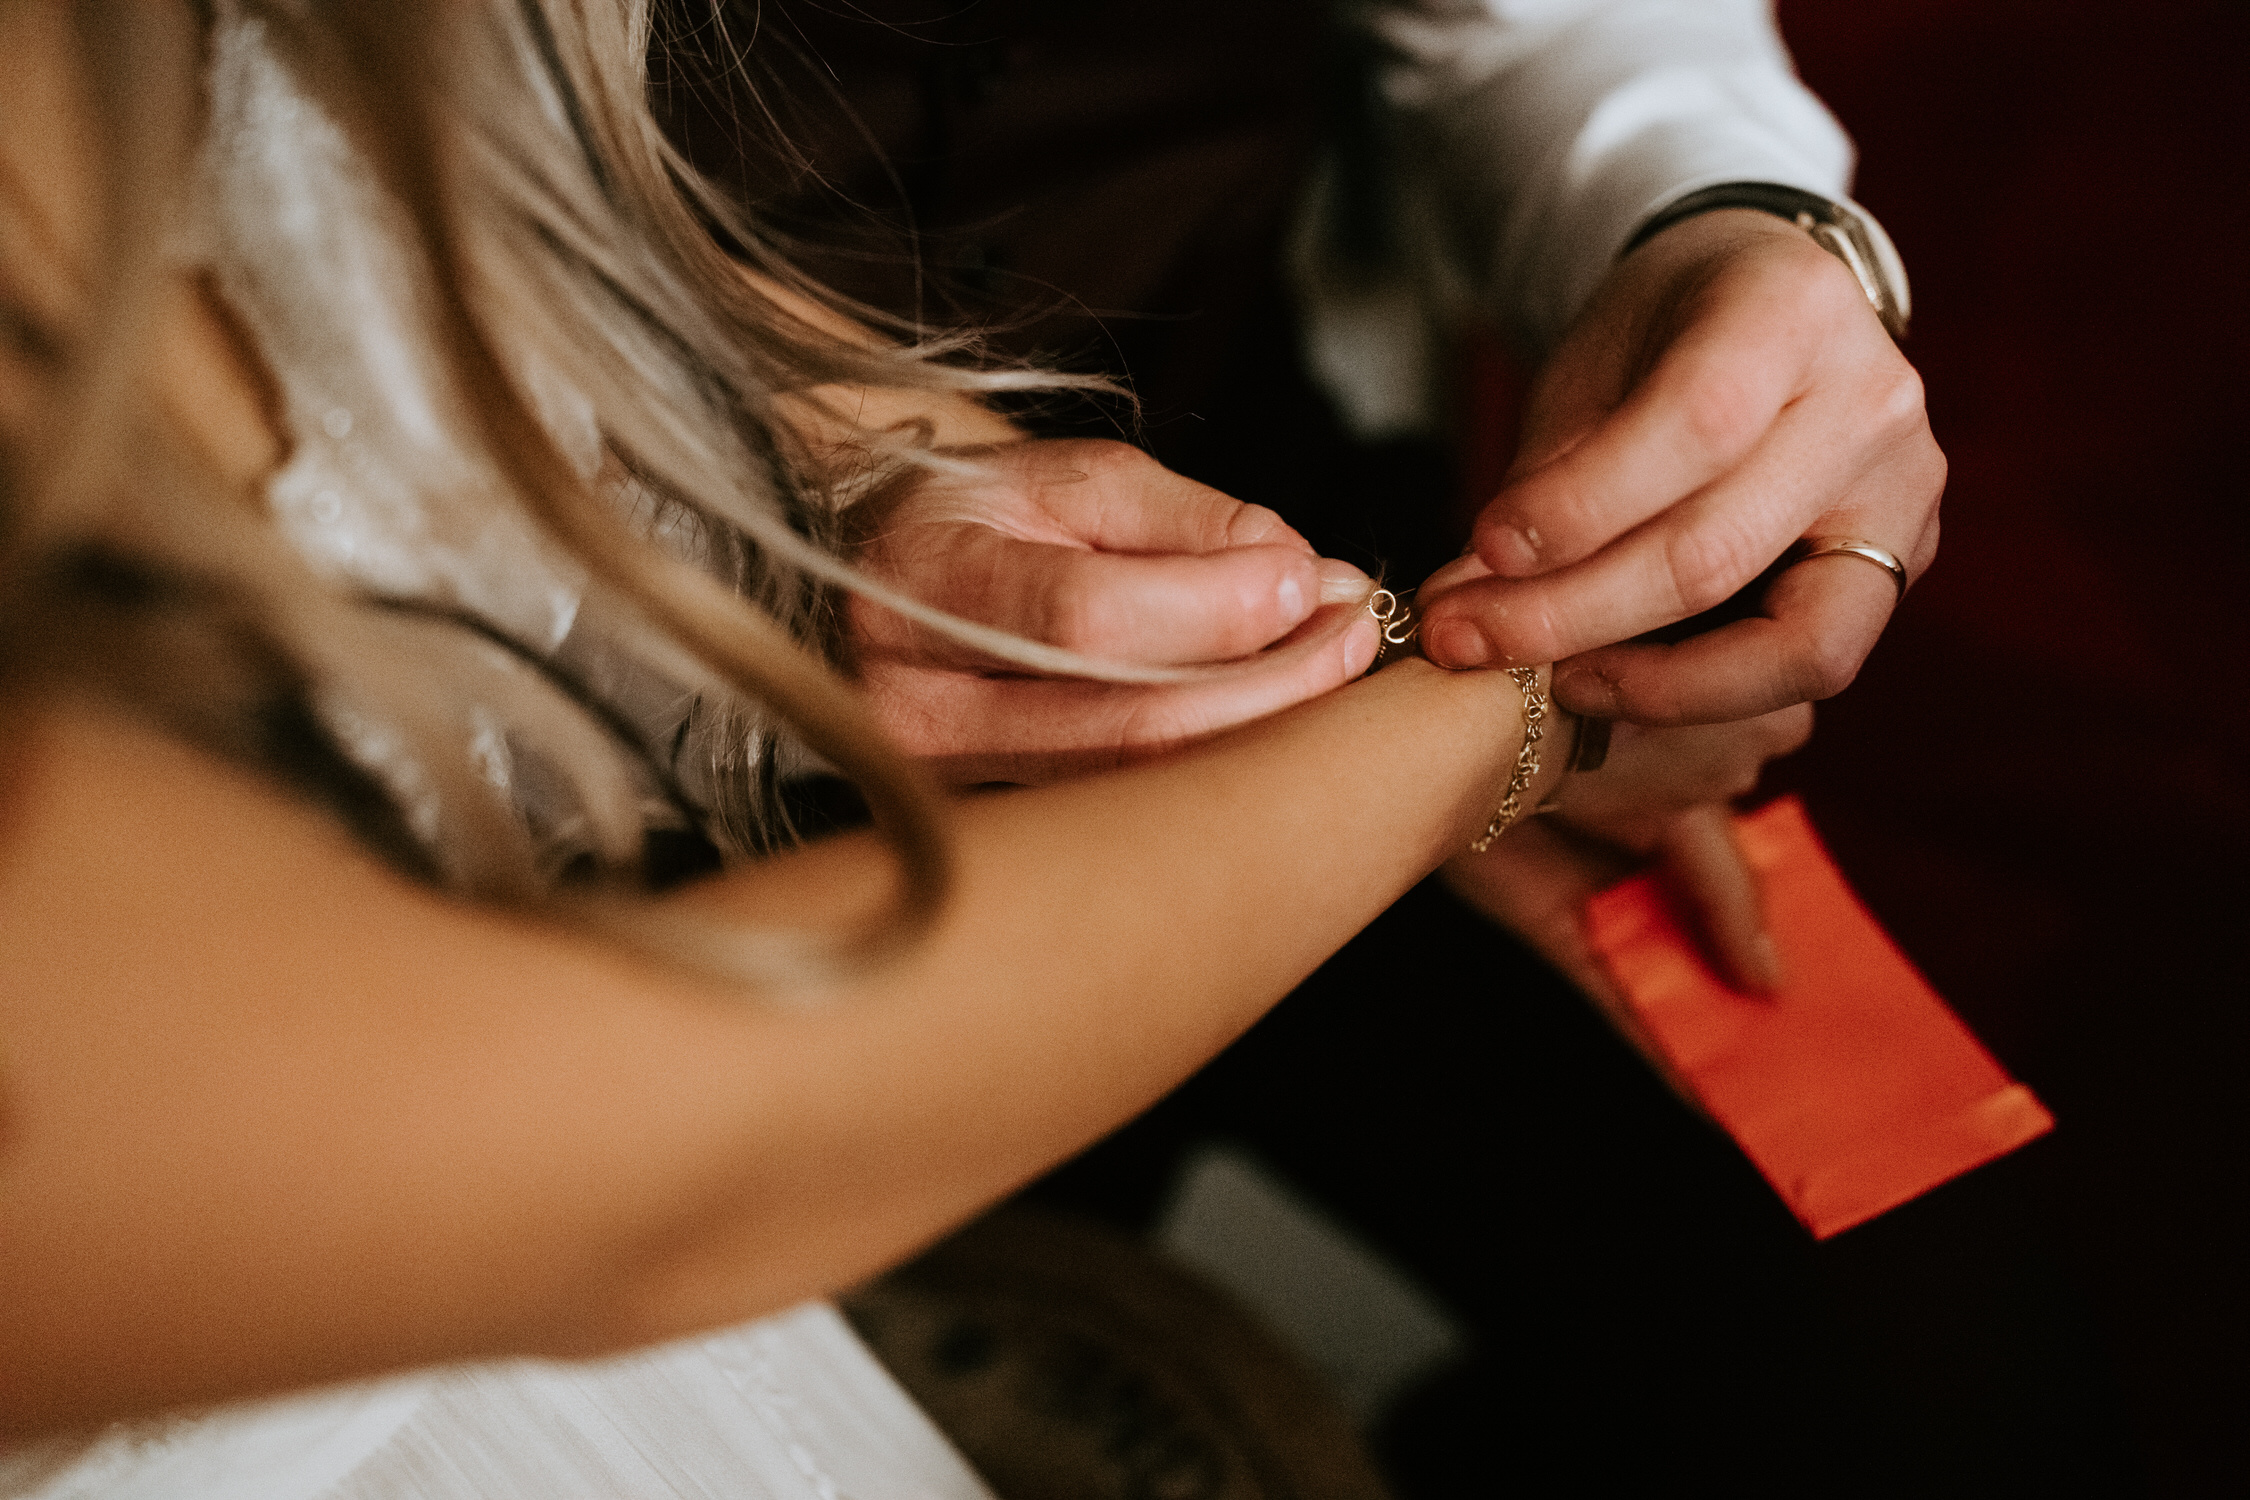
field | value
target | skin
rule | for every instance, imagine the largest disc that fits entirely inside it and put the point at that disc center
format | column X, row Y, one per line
column 1728, row 391
column 1093, row 546
column 1667, row 802
column 1085, row 544
column 274, row 1115
column 271, row 1114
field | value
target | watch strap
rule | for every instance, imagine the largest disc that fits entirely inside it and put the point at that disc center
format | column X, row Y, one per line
column 1842, row 228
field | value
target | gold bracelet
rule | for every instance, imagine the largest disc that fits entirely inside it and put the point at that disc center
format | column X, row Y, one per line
column 1395, row 618
column 1527, row 759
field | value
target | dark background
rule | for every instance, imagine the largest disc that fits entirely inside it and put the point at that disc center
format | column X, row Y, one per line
column 2041, row 784
column 2041, row 781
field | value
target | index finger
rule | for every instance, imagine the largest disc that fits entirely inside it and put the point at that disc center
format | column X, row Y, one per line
column 1115, row 498
column 1706, row 866
column 1703, row 408
column 1819, row 624
column 1172, row 609
column 1702, row 551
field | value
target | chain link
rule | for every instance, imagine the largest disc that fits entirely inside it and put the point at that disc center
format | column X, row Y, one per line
column 1395, row 618
column 1527, row 759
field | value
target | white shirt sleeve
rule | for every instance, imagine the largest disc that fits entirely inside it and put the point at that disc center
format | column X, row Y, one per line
column 1527, row 140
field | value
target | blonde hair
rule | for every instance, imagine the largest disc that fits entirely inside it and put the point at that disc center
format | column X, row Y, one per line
column 613, row 381
column 555, row 232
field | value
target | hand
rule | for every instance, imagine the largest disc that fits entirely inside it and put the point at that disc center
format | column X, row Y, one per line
column 1652, row 776
column 1727, row 392
column 1662, row 794
column 1666, row 793
column 1095, row 547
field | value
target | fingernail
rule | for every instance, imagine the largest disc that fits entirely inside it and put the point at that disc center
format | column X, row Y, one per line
column 1585, row 692
column 1361, row 645
column 1340, row 582
column 1511, row 551
column 1457, row 643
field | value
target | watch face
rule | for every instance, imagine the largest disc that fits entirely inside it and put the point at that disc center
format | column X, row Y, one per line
column 1889, row 291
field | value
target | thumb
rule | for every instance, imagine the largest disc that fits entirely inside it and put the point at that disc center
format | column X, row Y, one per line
column 1148, row 608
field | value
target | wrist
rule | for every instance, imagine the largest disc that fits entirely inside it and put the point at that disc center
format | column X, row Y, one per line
column 1541, row 759
column 1539, row 742
column 1837, row 225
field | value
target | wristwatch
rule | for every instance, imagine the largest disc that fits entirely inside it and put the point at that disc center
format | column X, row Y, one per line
column 1842, row 228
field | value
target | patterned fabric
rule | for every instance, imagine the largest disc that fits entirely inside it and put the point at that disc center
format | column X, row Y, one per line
column 789, row 1408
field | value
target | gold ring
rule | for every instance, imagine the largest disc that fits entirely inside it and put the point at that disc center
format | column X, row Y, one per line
column 1850, row 546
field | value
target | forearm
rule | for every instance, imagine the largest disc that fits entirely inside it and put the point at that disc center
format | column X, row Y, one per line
column 1109, row 936
column 274, row 1116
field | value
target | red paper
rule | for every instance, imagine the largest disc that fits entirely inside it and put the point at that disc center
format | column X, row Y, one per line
column 1855, row 1088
